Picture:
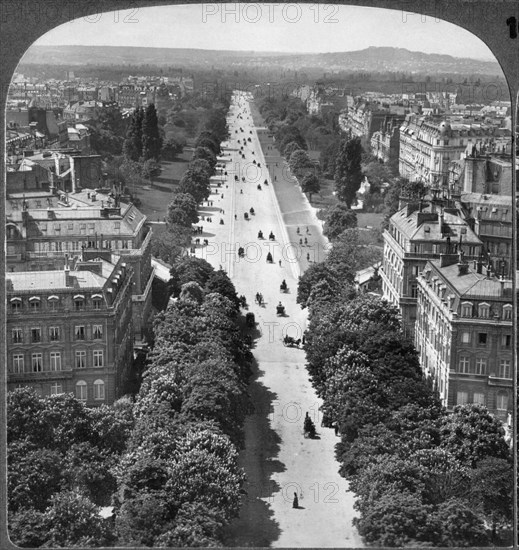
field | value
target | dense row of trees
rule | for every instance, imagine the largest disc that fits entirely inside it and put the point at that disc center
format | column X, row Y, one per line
column 193, row 188
column 416, row 470
column 178, row 482
column 166, row 461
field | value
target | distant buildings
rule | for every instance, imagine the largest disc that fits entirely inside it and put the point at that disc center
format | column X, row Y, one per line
column 429, row 144
column 365, row 118
column 385, row 143
column 464, row 333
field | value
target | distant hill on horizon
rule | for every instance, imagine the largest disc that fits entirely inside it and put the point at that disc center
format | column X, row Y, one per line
column 369, row 59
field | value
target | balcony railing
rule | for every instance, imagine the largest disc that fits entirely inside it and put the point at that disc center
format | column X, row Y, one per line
column 42, row 375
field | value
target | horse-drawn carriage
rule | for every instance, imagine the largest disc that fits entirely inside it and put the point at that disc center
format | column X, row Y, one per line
column 252, row 211
column 280, row 310
column 283, row 286
column 272, row 237
column 241, row 252
column 270, row 259
column 246, row 215
column 260, row 234
column 290, row 342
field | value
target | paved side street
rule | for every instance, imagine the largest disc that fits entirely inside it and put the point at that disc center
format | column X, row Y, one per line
column 278, row 460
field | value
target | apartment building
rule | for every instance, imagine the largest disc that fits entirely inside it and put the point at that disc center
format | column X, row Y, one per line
column 70, row 330
column 418, row 232
column 428, row 144
column 43, row 227
column 463, row 333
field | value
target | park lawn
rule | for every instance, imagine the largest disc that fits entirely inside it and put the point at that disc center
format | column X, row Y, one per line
column 154, row 201
column 325, row 198
column 371, row 219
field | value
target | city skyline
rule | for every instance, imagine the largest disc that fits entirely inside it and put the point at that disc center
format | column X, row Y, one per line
column 263, row 28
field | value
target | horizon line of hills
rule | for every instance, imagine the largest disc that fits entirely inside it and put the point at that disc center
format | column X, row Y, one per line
column 368, row 59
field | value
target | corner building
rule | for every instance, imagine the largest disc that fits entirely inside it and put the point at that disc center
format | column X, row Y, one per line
column 70, row 330
column 419, row 232
column 464, row 333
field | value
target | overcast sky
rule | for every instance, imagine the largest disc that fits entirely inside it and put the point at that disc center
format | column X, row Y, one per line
column 269, row 27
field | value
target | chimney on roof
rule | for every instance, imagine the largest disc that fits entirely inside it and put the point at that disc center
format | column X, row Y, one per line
column 462, row 268
column 502, row 286
column 440, row 221
column 479, row 266
column 69, row 281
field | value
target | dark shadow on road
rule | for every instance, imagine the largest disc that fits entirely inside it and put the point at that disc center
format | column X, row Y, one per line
column 255, row 526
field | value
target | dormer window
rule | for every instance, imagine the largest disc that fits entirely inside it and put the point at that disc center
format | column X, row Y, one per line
column 484, row 310
column 466, row 309
column 507, row 313
column 34, row 303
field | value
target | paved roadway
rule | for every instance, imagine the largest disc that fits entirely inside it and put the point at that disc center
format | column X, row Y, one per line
column 277, row 459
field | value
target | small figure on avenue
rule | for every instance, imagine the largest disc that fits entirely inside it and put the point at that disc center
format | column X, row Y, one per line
column 295, row 502
column 306, row 240
column 308, row 257
column 309, row 427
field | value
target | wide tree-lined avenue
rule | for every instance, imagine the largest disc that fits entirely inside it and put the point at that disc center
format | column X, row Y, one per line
column 277, row 459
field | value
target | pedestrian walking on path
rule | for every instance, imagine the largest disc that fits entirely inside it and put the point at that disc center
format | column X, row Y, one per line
column 295, row 502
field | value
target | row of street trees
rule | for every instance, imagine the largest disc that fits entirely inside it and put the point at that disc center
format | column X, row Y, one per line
column 282, row 116
column 179, row 482
column 193, row 188
column 417, row 470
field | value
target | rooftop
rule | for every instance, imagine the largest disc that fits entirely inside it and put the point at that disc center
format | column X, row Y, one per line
column 424, row 225
column 473, row 285
column 45, row 281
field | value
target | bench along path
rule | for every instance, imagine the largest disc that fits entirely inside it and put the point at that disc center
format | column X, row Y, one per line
column 277, row 459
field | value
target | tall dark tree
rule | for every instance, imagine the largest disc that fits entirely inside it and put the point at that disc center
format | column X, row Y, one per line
column 132, row 147
column 205, row 154
column 195, row 182
column 311, row 184
column 151, row 139
column 348, row 170
column 182, row 210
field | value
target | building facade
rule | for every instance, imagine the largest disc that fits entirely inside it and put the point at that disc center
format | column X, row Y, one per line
column 428, row 144
column 42, row 228
column 385, row 143
column 70, row 330
column 464, row 333
column 418, row 232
